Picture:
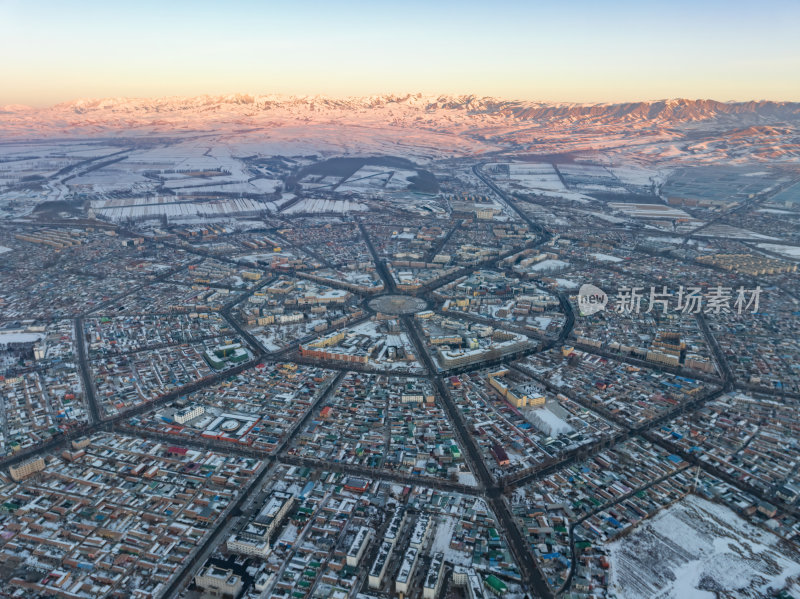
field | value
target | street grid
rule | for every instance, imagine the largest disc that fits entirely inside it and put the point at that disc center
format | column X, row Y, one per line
column 496, row 491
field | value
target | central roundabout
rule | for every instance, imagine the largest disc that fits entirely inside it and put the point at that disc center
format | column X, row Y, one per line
column 397, row 305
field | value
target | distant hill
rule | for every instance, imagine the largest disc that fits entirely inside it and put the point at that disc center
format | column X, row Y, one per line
column 468, row 125
column 664, row 111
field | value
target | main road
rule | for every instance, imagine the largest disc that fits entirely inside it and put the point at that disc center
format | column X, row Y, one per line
column 532, row 574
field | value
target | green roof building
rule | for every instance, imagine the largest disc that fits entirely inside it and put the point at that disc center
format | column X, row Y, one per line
column 495, row 584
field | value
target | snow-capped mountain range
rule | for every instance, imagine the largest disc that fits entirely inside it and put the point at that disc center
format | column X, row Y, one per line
column 452, row 124
column 666, row 111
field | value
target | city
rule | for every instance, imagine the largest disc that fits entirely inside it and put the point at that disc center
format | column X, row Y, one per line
column 363, row 300
column 345, row 402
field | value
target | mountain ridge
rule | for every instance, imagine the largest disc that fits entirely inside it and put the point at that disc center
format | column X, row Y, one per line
column 673, row 129
column 665, row 110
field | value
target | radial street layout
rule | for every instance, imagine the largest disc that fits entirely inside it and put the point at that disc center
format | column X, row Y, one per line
column 306, row 368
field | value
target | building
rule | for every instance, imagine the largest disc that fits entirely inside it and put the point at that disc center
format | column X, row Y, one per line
column 359, row 546
column 289, row 318
column 275, row 510
column 221, row 354
column 356, row 485
column 453, row 358
column 467, row 577
column 378, row 569
column 663, row 357
column 256, row 536
column 447, row 340
column 265, row 320
column 81, row 443
column 500, row 455
column 395, row 525
column 26, row 469
column 188, row 413
column 71, row 456
column 414, row 396
column 549, row 423
column 497, row 586
column 336, row 356
column 218, row 582
column 406, row 573
column 330, row 296
column 420, row 533
column 263, row 581
column 520, row 396
column 434, row 578
column 253, row 540
column 699, row 363
column 328, row 340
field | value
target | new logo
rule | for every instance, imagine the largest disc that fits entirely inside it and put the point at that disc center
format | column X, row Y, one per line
column 591, row 299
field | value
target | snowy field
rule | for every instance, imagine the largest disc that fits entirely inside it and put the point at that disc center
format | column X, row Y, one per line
column 536, row 176
column 603, row 216
column 173, row 210
column 373, row 178
column 648, row 211
column 20, row 338
column 606, row 258
column 549, row 265
column 566, row 284
column 675, row 240
column 635, row 175
column 700, row 550
column 775, row 211
column 319, row 206
column 589, row 187
column 466, row 478
column 256, row 186
column 585, row 170
column 721, row 230
column 786, row 250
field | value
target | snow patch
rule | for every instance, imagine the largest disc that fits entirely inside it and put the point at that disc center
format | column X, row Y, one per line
column 696, row 547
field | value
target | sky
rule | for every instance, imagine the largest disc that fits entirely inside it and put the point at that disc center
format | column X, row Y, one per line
column 580, row 51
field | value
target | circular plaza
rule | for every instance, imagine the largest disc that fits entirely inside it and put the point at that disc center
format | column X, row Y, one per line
column 397, row 305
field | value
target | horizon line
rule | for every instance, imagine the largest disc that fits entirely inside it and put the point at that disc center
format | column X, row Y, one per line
column 403, row 95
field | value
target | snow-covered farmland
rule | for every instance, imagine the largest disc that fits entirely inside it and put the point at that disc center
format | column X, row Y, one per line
column 785, row 250
column 701, row 550
column 319, row 206
column 145, row 209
